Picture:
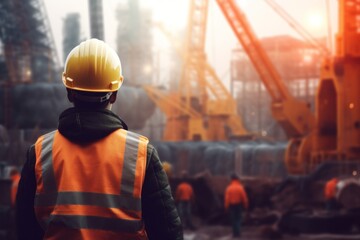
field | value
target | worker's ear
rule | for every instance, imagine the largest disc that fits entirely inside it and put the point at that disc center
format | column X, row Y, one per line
column 113, row 97
column 70, row 95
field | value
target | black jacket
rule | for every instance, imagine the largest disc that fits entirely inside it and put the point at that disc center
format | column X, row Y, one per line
column 159, row 212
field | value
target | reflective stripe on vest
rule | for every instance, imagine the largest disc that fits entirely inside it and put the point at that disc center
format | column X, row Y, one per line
column 94, row 186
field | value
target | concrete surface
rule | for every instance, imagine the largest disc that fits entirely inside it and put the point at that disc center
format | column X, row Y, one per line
column 253, row 233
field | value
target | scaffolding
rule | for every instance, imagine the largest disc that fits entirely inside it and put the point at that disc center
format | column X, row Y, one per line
column 29, row 53
column 27, row 39
column 298, row 64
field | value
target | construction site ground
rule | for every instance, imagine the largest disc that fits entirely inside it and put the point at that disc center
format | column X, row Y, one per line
column 218, row 232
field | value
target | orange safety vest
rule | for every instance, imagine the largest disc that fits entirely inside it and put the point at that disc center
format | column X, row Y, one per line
column 235, row 194
column 184, row 192
column 330, row 189
column 90, row 191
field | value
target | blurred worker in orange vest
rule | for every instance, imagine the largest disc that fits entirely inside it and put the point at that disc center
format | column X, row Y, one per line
column 15, row 178
column 330, row 190
column 184, row 197
column 92, row 178
column 236, row 201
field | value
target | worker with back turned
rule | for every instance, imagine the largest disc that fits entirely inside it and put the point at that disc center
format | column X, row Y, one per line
column 330, row 190
column 92, row 178
column 184, row 197
column 236, row 201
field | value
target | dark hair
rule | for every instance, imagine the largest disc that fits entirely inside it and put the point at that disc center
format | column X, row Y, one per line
column 234, row 176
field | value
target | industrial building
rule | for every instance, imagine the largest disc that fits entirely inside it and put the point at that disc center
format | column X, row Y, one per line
column 287, row 123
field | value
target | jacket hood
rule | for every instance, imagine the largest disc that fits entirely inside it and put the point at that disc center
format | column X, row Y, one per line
column 84, row 125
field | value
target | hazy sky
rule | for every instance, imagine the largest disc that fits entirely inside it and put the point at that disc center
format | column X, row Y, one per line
column 311, row 14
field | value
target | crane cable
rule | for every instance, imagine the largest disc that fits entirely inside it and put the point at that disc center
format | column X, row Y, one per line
column 297, row 27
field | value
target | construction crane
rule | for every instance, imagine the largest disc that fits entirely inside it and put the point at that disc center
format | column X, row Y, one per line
column 336, row 135
column 201, row 108
column 335, row 132
column 294, row 115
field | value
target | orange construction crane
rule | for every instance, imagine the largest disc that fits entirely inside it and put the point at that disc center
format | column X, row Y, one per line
column 333, row 133
column 293, row 115
column 202, row 108
column 336, row 135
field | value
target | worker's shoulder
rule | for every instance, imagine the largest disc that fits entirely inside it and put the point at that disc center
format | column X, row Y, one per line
column 150, row 149
column 47, row 134
column 188, row 185
column 236, row 186
column 179, row 186
column 131, row 134
column 184, row 184
column 42, row 137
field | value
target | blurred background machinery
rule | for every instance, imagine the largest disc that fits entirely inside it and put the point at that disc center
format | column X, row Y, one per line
column 318, row 123
column 292, row 107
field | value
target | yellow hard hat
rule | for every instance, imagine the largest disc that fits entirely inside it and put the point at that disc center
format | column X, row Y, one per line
column 93, row 66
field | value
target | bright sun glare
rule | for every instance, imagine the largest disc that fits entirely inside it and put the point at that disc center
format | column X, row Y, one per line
column 172, row 14
column 315, row 20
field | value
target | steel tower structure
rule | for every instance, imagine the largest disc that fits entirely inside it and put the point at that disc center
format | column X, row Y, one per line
column 28, row 43
column 29, row 53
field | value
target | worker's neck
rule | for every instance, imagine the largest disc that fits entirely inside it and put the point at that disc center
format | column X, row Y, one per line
column 86, row 107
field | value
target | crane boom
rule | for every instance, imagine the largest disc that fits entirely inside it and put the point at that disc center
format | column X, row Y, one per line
column 293, row 115
column 168, row 104
column 213, row 82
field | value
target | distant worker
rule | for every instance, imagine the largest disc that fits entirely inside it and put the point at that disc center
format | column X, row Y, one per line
column 92, row 178
column 15, row 178
column 236, row 201
column 184, row 197
column 330, row 190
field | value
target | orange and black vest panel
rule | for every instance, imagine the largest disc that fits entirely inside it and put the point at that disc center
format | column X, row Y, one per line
column 90, row 191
